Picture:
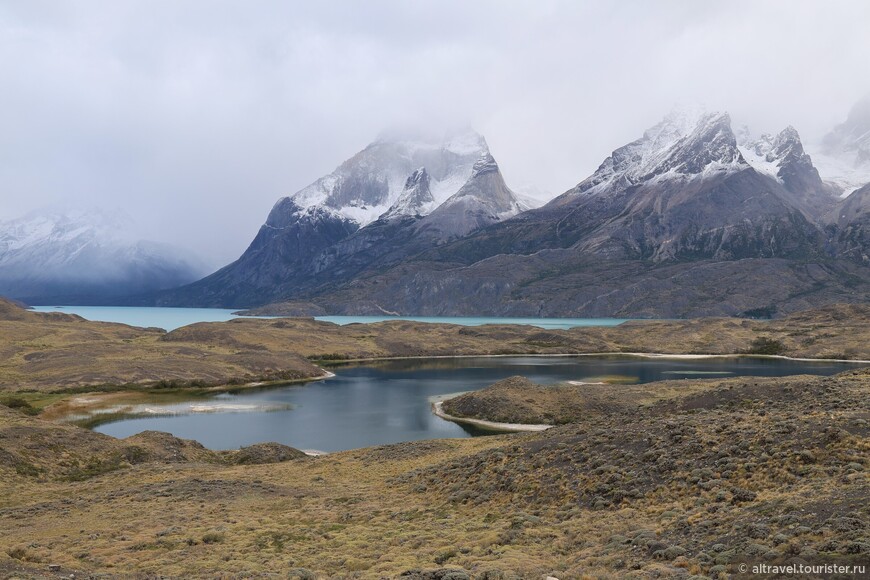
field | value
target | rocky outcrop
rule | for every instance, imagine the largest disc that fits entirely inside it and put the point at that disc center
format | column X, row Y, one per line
column 416, row 198
column 484, row 200
column 783, row 158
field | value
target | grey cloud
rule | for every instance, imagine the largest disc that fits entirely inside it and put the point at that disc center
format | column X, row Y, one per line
column 196, row 116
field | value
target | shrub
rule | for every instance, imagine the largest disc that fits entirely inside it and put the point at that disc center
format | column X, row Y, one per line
column 765, row 345
column 19, row 404
column 763, row 312
column 94, row 466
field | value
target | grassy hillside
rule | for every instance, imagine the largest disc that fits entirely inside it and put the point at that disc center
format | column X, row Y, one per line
column 735, row 470
column 63, row 353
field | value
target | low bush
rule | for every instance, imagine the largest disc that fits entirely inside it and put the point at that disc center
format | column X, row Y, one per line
column 765, row 345
column 19, row 404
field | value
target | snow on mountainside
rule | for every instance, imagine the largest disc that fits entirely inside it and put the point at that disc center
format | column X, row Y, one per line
column 484, row 200
column 395, row 197
column 84, row 255
column 784, row 159
column 843, row 156
column 416, row 198
column 687, row 143
column 500, row 202
column 370, row 183
column 676, row 221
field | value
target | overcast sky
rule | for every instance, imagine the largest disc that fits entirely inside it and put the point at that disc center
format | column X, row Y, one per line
column 196, row 116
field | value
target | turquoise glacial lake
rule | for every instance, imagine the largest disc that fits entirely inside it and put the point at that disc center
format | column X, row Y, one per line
column 172, row 318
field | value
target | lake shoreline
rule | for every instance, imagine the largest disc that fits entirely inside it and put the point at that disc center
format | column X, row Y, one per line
column 651, row 355
column 82, row 408
column 85, row 405
column 494, row 426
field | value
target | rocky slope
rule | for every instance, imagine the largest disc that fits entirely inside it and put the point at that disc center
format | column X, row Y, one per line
column 84, row 257
column 783, row 157
column 853, row 226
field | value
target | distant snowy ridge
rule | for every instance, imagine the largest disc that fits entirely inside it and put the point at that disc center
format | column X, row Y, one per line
column 64, row 253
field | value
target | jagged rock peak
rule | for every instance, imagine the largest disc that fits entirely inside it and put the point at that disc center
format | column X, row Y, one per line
column 777, row 156
column 416, row 198
column 686, row 143
column 710, row 144
column 370, row 183
column 420, row 178
column 486, row 164
column 788, row 146
column 788, row 134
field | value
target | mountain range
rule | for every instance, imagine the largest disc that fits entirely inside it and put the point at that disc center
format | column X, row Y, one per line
column 395, row 198
column 692, row 218
column 74, row 256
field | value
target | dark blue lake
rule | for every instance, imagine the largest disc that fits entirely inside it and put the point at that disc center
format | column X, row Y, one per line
column 389, row 402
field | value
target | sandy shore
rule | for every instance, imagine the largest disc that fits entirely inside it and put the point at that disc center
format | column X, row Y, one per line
column 437, row 408
column 662, row 355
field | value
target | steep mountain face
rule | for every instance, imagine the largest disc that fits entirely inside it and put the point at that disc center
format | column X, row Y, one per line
column 677, row 223
column 853, row 136
column 685, row 143
column 681, row 192
column 416, row 198
column 84, row 257
column 485, row 199
column 393, row 199
column 784, row 159
column 684, row 221
column 684, row 191
column 371, row 183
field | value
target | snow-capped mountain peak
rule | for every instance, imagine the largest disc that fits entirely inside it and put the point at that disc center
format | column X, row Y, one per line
column 772, row 155
column 486, row 164
column 416, row 198
column 686, row 143
column 59, row 225
column 370, row 183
